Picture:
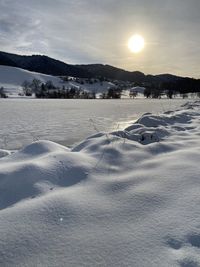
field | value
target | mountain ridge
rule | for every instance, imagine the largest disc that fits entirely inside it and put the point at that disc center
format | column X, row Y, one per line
column 47, row 65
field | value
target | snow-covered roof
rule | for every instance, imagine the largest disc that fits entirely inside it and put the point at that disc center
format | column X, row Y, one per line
column 138, row 89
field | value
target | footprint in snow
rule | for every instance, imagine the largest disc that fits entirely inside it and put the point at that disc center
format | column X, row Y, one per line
column 193, row 240
column 189, row 263
column 174, row 243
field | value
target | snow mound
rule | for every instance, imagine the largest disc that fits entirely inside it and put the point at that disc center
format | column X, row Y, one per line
column 126, row 198
column 37, row 169
column 42, row 147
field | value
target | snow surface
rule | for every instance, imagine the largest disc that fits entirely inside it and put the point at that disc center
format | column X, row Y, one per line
column 70, row 121
column 125, row 198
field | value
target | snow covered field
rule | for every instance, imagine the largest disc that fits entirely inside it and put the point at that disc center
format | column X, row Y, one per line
column 125, row 198
column 68, row 121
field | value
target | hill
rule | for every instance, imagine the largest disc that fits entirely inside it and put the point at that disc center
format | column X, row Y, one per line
column 50, row 66
column 41, row 64
column 12, row 78
column 114, row 73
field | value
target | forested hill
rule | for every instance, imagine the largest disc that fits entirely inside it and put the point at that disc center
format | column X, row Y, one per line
column 47, row 65
column 42, row 64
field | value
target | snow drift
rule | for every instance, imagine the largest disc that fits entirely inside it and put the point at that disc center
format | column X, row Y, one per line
column 126, row 198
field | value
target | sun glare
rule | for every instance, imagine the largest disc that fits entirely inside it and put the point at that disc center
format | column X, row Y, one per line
column 136, row 43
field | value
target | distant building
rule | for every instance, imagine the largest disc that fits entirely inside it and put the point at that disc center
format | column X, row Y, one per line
column 135, row 90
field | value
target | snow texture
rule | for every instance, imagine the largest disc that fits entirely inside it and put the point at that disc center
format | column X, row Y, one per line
column 26, row 120
column 125, row 198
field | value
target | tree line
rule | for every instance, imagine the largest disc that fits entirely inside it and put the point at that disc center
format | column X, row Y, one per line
column 181, row 86
column 49, row 90
column 169, row 89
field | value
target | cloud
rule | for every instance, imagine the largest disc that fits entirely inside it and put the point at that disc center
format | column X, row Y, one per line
column 89, row 31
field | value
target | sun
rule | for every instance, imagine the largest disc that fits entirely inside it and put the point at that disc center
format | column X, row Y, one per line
column 136, row 43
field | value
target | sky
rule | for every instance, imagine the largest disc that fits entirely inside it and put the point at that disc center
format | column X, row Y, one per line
column 97, row 31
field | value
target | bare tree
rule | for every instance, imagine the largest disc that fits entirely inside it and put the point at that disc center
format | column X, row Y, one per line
column 27, row 88
column 35, row 85
column 2, row 93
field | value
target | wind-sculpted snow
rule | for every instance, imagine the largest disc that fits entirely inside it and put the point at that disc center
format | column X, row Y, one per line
column 125, row 198
column 38, row 169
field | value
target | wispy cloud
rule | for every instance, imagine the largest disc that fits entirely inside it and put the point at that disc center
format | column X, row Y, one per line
column 89, row 31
